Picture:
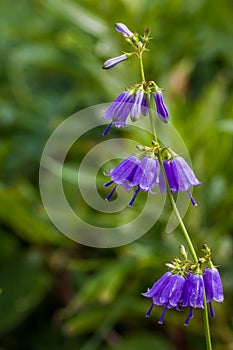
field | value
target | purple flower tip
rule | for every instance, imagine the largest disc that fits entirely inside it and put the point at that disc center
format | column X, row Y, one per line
column 180, row 177
column 193, row 292
column 134, row 172
column 167, row 292
column 114, row 61
column 213, row 285
column 160, row 106
column 123, row 29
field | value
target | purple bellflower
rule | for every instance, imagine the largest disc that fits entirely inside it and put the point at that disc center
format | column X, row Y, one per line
column 160, row 106
column 193, row 293
column 114, row 61
column 166, row 292
column 119, row 110
column 123, row 29
column 133, row 172
column 180, row 177
column 126, row 103
column 213, row 287
column 137, row 106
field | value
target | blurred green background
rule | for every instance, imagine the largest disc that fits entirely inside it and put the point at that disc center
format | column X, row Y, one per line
column 58, row 294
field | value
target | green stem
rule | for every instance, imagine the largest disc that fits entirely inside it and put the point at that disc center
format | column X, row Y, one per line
column 152, row 121
column 207, row 325
column 186, row 236
column 176, row 211
column 147, row 98
column 141, row 67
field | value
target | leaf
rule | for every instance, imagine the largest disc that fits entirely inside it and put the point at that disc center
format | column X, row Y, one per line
column 24, row 282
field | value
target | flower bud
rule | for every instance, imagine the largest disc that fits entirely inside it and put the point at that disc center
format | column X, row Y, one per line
column 114, row 61
column 121, row 28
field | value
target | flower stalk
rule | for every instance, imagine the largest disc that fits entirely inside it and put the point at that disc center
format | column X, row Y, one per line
column 194, row 284
column 184, row 231
column 176, row 211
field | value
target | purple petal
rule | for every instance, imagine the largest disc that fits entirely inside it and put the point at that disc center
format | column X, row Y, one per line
column 187, row 290
column 193, row 293
column 172, row 293
column 183, row 173
column 177, row 289
column 146, row 174
column 124, row 171
column 160, row 106
column 123, row 29
column 136, row 108
column 119, row 110
column 171, row 176
column 144, row 106
column 213, row 285
column 157, row 286
column 112, row 109
column 114, row 61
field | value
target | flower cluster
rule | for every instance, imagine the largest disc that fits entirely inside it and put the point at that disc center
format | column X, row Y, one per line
column 133, row 101
column 186, row 285
column 142, row 172
column 134, row 172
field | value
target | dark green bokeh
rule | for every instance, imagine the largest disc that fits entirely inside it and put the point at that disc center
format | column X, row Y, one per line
column 57, row 294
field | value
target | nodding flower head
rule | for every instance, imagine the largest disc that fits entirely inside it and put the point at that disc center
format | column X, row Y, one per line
column 213, row 287
column 134, row 172
column 128, row 102
column 193, row 293
column 186, row 284
column 179, row 175
column 166, row 292
column 160, row 106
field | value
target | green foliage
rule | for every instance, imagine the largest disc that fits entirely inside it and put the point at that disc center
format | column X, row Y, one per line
column 55, row 293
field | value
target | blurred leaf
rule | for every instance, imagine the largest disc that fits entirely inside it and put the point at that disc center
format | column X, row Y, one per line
column 17, row 214
column 24, row 282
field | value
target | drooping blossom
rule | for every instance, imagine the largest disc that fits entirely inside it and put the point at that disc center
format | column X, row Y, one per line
column 160, row 106
column 166, row 292
column 213, row 287
column 179, row 175
column 137, row 106
column 127, row 103
column 134, row 172
column 193, row 293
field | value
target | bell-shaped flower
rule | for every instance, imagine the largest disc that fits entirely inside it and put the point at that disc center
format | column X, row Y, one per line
column 128, row 102
column 160, row 106
column 193, row 293
column 132, row 172
column 166, row 292
column 119, row 110
column 213, row 287
column 139, row 106
column 179, row 175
